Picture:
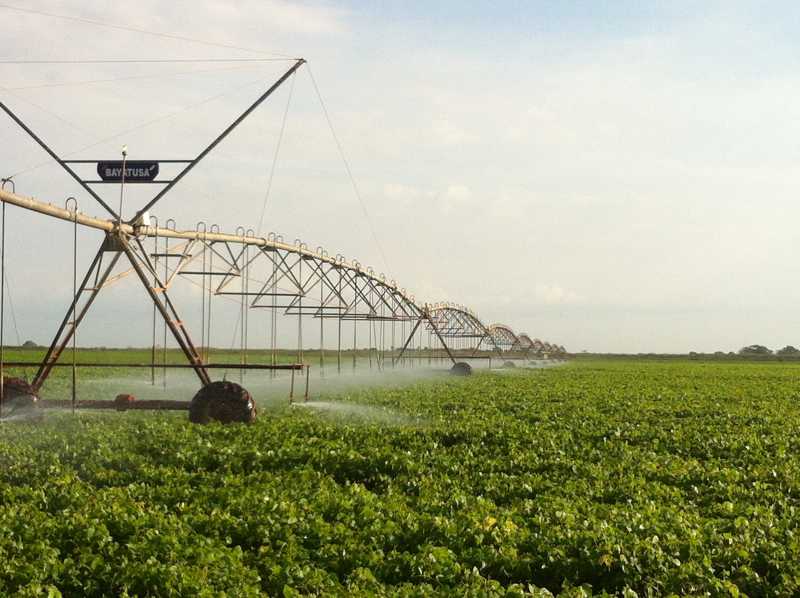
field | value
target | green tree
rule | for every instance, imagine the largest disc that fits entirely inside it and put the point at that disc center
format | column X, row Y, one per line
column 788, row 350
column 755, row 350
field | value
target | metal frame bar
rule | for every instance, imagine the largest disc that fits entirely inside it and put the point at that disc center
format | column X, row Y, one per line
column 64, row 164
column 167, row 308
column 56, row 348
column 347, row 291
column 219, row 138
column 169, row 184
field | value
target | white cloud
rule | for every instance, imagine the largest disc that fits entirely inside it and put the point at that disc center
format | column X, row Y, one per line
column 554, row 294
column 455, row 196
column 450, row 198
column 399, row 193
column 448, row 133
column 654, row 170
column 293, row 17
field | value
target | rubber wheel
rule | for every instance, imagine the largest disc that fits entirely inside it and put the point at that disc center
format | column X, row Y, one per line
column 462, row 368
column 124, row 401
column 224, row 402
column 19, row 397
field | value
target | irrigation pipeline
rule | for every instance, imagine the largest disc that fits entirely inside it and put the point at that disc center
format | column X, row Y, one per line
column 145, row 230
column 371, row 293
column 208, row 366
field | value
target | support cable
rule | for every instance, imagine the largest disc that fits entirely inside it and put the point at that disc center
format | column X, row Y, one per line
column 275, row 157
column 50, row 113
column 347, row 169
column 112, row 79
column 139, row 126
column 160, row 34
column 11, row 309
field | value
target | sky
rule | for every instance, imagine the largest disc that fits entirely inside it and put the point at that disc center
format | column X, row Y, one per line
column 613, row 177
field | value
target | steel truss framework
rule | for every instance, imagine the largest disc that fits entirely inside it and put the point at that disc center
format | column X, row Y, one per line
column 458, row 322
column 268, row 273
column 262, row 273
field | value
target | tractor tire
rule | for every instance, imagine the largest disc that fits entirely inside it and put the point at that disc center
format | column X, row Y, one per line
column 19, row 397
column 222, row 401
column 462, row 368
column 124, row 401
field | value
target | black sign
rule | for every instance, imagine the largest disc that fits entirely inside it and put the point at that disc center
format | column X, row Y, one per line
column 136, row 171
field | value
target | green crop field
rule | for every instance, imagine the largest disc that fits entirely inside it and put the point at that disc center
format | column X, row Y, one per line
column 596, row 477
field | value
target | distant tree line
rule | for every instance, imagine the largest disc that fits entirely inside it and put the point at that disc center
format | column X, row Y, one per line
column 762, row 350
column 751, row 352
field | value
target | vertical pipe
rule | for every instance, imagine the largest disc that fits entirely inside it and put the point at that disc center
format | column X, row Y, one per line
column 415, row 347
column 339, row 316
column 164, row 345
column 377, row 334
column 268, row 336
column 421, row 348
column 383, row 332
column 300, row 317
column 74, row 303
column 250, row 233
column 412, row 347
column 166, row 278
column 274, row 316
column 355, row 321
column 429, row 348
column 155, row 268
column 369, row 327
column 2, row 306
column 403, row 335
column 210, row 299
column 300, row 310
column 202, row 300
column 245, row 331
column 321, row 329
column 308, row 372
column 242, row 290
column 273, row 319
column 291, row 388
column 419, row 344
column 421, row 353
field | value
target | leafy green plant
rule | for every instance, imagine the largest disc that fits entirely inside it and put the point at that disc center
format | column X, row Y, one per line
column 601, row 477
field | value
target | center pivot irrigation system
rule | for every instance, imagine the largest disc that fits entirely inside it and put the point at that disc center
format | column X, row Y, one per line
column 256, row 273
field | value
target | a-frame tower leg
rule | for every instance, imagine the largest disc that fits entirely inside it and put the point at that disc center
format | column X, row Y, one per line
column 146, row 272
column 93, row 282
column 425, row 317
